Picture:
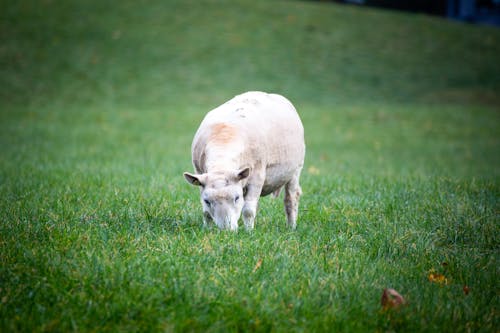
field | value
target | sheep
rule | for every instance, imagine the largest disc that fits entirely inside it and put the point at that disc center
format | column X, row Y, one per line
column 249, row 147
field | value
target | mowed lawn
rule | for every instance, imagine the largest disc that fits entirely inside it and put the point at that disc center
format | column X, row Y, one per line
column 99, row 231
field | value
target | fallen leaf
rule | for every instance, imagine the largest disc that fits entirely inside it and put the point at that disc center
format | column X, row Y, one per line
column 391, row 299
column 437, row 278
column 257, row 265
column 466, row 290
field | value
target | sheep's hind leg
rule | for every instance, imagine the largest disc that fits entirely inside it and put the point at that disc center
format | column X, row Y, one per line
column 292, row 196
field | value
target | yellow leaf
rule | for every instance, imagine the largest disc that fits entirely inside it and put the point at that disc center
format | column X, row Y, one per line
column 437, row 278
column 257, row 265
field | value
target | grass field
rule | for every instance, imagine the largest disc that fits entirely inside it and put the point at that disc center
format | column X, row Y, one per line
column 100, row 232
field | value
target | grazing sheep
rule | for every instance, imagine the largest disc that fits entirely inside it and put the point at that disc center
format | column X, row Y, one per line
column 249, row 147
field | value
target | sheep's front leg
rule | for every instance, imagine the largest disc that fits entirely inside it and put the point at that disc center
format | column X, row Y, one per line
column 252, row 195
column 249, row 213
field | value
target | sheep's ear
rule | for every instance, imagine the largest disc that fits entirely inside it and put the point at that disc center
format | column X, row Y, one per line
column 198, row 180
column 242, row 174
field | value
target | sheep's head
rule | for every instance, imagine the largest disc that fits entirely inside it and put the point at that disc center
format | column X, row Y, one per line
column 221, row 195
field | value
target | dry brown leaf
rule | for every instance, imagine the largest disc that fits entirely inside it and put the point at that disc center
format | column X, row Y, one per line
column 391, row 299
column 257, row 265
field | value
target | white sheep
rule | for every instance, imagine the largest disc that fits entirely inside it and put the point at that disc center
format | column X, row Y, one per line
column 249, row 147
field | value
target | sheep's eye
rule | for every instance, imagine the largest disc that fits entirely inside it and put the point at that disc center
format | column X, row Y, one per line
column 207, row 202
column 236, row 198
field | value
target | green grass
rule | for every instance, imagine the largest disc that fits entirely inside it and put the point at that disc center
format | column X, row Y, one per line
column 99, row 231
